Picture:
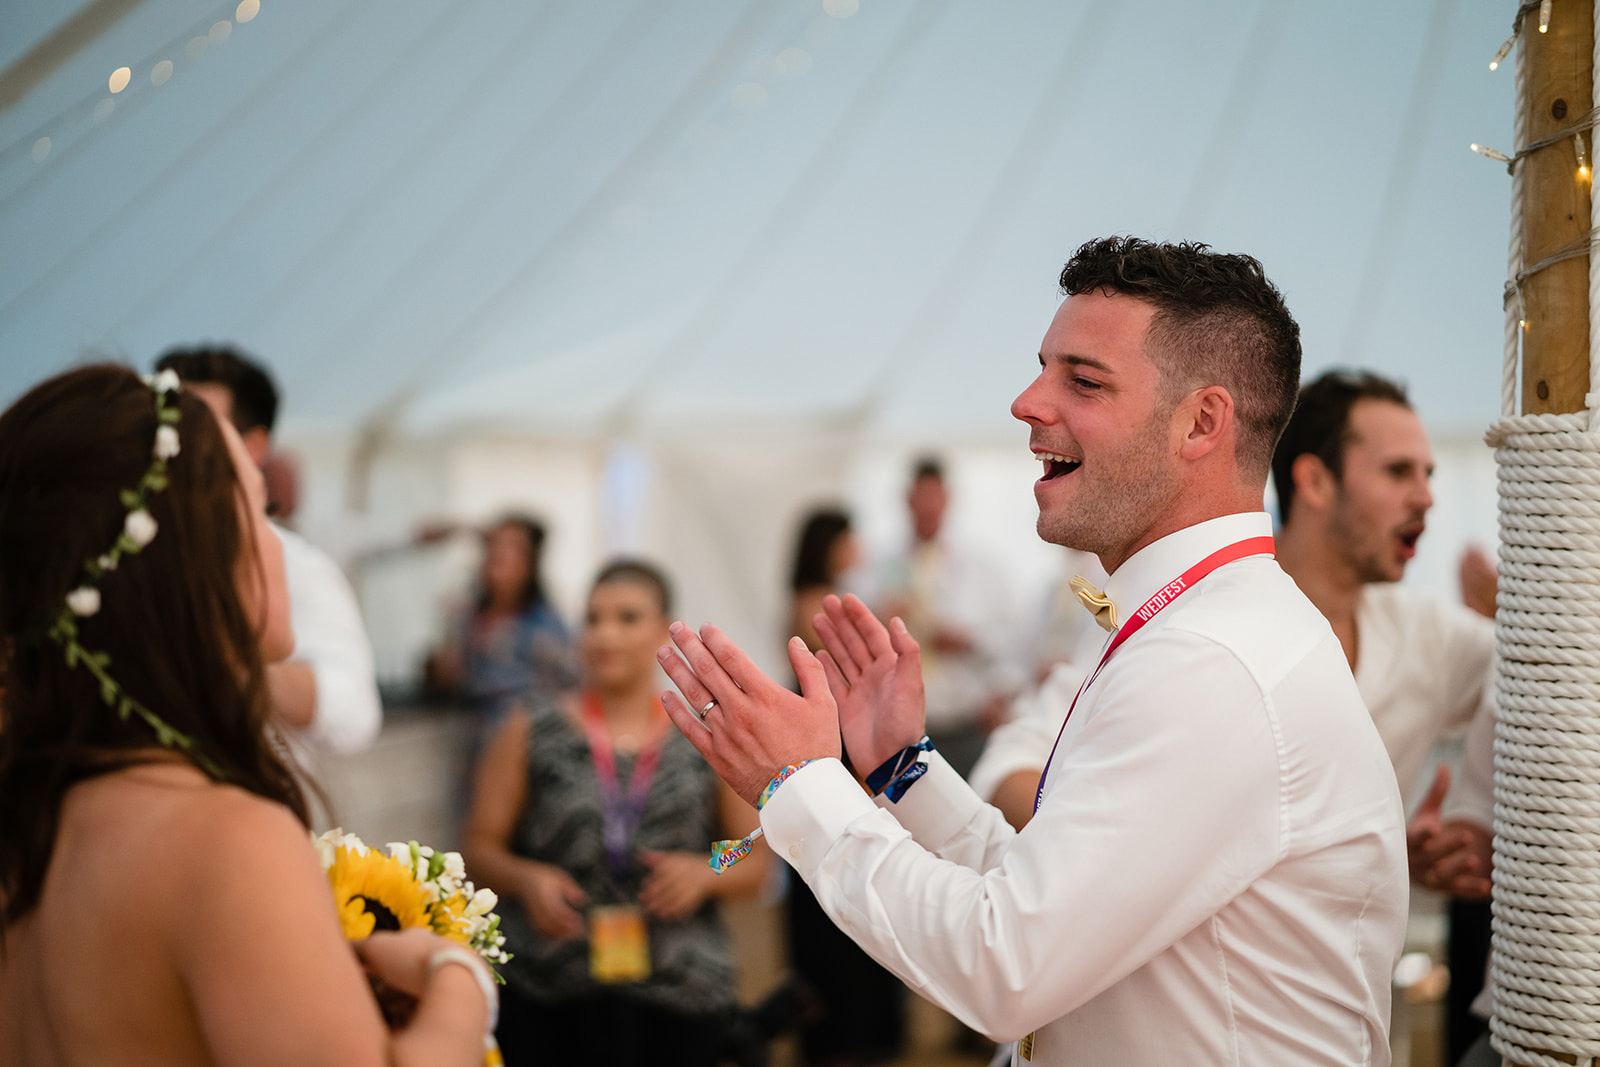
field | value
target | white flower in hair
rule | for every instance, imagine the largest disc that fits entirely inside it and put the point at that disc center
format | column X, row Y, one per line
column 166, row 442
column 140, row 526
column 84, row 601
column 107, row 562
column 165, row 381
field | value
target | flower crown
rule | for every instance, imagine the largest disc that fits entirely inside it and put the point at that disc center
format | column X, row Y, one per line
column 139, row 528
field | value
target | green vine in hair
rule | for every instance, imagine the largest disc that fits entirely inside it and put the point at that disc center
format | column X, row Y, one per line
column 139, row 528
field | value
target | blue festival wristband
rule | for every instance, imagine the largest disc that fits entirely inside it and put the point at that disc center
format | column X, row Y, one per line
column 900, row 771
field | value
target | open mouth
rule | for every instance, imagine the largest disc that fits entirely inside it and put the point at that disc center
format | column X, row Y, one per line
column 1409, row 536
column 1056, row 466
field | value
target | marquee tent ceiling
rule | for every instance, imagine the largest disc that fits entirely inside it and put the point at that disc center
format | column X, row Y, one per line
column 566, row 218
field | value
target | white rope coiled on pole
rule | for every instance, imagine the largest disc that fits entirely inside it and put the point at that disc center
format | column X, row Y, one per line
column 1545, row 965
column 1545, row 961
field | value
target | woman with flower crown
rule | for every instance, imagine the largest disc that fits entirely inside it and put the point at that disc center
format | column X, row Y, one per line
column 161, row 901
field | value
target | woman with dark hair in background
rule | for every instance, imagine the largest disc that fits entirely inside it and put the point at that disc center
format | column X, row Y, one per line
column 161, row 901
column 863, row 1019
column 593, row 819
column 511, row 643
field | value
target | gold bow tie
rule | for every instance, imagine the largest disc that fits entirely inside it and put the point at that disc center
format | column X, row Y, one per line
column 1099, row 605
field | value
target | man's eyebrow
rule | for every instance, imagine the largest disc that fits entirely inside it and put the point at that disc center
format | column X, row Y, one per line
column 1086, row 361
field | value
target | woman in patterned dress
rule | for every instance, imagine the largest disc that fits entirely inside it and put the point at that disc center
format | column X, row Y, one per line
column 594, row 819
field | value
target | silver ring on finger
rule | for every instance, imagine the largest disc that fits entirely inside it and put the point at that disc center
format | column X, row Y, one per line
column 707, row 709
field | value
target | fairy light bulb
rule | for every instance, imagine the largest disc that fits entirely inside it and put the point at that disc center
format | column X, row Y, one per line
column 1544, row 16
column 1583, row 157
column 1491, row 153
column 1500, row 56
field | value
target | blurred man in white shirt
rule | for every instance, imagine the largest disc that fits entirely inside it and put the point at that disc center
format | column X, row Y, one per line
column 954, row 602
column 1215, row 872
column 327, row 692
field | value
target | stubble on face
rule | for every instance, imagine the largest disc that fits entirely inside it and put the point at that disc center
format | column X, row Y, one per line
column 1377, row 514
column 1122, row 494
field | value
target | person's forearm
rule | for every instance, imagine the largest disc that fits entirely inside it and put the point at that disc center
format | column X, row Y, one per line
column 494, row 865
column 292, row 688
column 448, row 1028
column 1014, row 797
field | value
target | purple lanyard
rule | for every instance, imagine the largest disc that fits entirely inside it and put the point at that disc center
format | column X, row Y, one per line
column 620, row 813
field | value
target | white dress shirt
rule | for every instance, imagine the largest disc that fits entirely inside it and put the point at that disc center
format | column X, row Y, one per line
column 1425, row 667
column 1216, row 873
column 329, row 636
column 942, row 584
column 1022, row 742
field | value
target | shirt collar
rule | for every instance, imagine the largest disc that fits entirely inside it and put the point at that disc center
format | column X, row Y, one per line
column 1159, row 562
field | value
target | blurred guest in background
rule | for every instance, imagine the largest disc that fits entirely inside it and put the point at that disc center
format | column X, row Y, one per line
column 826, row 551
column 1352, row 474
column 510, row 645
column 327, row 692
column 863, row 1005
column 594, row 820
column 954, row 604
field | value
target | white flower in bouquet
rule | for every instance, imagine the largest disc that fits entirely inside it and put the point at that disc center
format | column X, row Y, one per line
column 328, row 845
column 482, row 903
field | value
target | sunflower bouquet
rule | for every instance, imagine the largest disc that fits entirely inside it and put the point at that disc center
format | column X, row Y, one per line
column 409, row 886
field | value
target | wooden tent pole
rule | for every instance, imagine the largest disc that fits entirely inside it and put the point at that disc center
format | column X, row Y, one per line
column 1555, row 210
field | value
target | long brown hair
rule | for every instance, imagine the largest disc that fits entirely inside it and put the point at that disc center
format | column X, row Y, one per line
column 171, row 620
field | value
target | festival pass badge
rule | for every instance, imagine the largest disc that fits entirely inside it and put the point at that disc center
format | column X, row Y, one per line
column 619, row 944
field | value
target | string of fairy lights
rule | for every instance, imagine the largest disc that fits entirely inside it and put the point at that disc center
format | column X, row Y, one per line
column 46, row 143
column 1584, row 172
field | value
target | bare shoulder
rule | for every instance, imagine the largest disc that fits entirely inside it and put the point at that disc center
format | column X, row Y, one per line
column 168, row 826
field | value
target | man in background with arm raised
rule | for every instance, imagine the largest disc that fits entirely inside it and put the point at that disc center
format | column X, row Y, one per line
column 1216, row 869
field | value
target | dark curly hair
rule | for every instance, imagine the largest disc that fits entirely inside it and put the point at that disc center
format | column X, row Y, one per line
column 1218, row 321
column 1321, row 424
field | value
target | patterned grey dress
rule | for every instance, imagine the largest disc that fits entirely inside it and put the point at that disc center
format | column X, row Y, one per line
column 691, row 959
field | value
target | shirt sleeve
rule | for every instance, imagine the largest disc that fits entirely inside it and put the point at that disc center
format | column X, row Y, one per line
column 1023, row 743
column 1466, row 669
column 1471, row 794
column 331, row 638
column 1162, row 806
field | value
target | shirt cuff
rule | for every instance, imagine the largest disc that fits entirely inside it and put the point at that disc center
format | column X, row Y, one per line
column 810, row 811
column 937, row 807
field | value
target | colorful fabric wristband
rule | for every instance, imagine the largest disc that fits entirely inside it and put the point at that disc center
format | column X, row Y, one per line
column 900, row 771
column 725, row 854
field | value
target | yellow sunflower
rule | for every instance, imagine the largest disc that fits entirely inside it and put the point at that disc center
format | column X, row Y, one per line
column 374, row 891
column 449, row 918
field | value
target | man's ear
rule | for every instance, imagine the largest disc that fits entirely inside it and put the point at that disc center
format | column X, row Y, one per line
column 1314, row 483
column 1205, row 422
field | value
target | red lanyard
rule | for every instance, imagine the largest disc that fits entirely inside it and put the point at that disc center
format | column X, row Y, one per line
column 620, row 815
column 1251, row 546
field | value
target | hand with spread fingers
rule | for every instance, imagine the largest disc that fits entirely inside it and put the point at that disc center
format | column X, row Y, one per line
column 753, row 727
column 875, row 674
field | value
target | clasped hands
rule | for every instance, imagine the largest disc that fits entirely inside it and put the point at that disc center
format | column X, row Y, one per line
column 865, row 685
column 1453, row 857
